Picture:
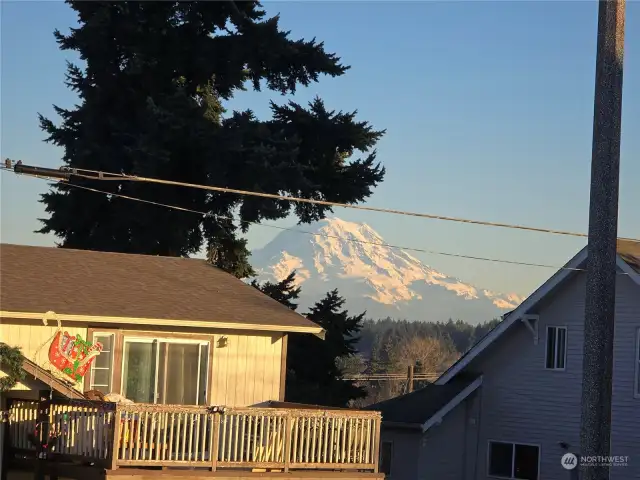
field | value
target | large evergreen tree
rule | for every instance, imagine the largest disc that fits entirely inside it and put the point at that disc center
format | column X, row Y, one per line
column 314, row 366
column 314, row 375
column 285, row 291
column 151, row 104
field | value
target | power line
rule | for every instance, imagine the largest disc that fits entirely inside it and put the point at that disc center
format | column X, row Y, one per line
column 350, row 240
column 66, row 173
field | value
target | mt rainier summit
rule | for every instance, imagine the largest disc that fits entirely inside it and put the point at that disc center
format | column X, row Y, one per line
column 382, row 280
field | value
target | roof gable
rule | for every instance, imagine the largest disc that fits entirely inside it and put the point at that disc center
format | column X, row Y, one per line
column 79, row 285
column 427, row 406
column 628, row 261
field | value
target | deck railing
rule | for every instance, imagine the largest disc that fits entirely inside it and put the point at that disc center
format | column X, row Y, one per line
column 141, row 435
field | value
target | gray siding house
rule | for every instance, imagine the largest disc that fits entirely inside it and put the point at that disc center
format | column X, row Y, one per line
column 510, row 407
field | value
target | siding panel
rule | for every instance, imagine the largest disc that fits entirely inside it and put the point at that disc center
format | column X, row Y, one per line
column 625, row 415
column 244, row 372
column 406, row 453
column 34, row 340
column 523, row 402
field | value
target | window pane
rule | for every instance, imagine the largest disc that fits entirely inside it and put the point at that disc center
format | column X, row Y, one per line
column 105, row 340
column 638, row 364
column 500, row 459
column 386, row 452
column 526, row 462
column 103, row 360
column 139, row 373
column 562, row 347
column 551, row 346
column 179, row 374
column 102, row 380
column 204, row 370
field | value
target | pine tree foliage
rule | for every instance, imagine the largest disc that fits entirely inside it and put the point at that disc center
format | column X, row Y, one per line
column 151, row 92
column 285, row 291
column 314, row 373
column 315, row 367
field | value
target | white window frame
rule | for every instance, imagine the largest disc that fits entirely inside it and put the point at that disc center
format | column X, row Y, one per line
column 556, row 329
column 513, row 457
column 189, row 341
column 636, row 381
column 95, row 335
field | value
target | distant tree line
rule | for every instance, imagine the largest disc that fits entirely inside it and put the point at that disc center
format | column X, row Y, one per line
column 354, row 345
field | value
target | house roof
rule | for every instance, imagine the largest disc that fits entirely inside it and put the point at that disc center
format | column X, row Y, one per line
column 629, row 251
column 628, row 262
column 426, row 406
column 101, row 287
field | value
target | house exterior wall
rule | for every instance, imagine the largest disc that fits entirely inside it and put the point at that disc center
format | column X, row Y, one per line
column 448, row 449
column 405, row 453
column 246, row 369
column 522, row 402
column 34, row 340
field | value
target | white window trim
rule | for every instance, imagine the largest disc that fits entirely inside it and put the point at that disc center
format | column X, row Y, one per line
column 93, row 364
column 546, row 347
column 174, row 340
column 513, row 457
column 636, row 382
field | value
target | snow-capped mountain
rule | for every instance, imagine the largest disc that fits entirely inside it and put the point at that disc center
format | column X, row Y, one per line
column 382, row 280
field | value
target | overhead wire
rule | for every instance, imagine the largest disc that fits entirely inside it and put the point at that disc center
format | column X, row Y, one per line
column 316, row 234
column 109, row 176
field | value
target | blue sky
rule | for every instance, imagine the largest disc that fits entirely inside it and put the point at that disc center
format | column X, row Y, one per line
column 488, row 108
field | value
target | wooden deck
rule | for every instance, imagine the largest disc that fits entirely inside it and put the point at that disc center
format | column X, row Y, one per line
column 145, row 441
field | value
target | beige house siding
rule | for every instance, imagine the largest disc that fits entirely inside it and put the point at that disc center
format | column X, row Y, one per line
column 245, row 368
column 34, row 340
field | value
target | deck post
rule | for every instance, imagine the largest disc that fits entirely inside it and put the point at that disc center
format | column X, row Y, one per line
column 114, row 441
column 42, row 440
column 376, row 446
column 215, row 431
column 288, row 425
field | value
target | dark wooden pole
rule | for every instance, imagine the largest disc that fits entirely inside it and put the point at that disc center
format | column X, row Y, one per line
column 597, row 362
column 410, row 379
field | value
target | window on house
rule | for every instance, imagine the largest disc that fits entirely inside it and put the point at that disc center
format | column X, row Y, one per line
column 556, row 348
column 386, row 452
column 165, row 371
column 637, row 389
column 513, row 461
column 102, row 365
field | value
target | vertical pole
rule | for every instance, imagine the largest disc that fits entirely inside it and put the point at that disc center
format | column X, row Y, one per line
column 288, row 432
column 113, row 442
column 42, row 446
column 410, row 379
column 4, row 436
column 215, row 432
column 595, row 435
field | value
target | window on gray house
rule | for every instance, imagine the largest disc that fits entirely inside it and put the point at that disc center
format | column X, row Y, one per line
column 637, row 390
column 556, row 348
column 513, row 460
column 386, row 452
column 102, row 365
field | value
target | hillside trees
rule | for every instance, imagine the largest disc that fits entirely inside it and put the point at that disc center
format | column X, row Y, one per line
column 151, row 103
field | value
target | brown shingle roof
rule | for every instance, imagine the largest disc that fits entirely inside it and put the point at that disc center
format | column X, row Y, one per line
column 101, row 284
column 630, row 252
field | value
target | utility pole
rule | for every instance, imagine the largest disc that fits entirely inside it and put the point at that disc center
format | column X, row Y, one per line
column 597, row 364
column 410, row 379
